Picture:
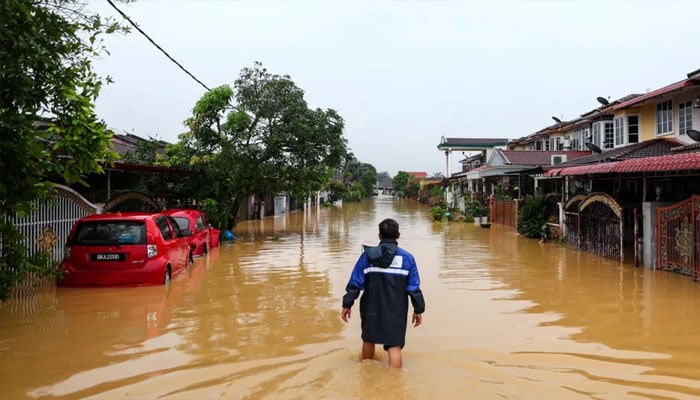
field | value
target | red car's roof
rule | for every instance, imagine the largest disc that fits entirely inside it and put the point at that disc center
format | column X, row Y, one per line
column 135, row 216
column 186, row 211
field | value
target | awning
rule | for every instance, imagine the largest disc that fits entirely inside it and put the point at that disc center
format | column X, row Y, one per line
column 672, row 162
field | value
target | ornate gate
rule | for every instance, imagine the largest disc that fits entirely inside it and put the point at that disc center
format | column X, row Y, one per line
column 594, row 224
column 571, row 219
column 678, row 236
column 47, row 227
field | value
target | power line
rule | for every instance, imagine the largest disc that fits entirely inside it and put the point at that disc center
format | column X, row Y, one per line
column 126, row 17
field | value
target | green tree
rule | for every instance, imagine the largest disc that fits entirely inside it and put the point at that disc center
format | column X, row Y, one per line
column 400, row 183
column 368, row 181
column 413, row 189
column 48, row 131
column 259, row 137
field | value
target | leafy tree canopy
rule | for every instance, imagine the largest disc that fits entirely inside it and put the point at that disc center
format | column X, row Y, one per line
column 48, row 127
column 400, row 182
column 259, row 137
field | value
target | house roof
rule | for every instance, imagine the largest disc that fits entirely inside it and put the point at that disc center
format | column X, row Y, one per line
column 127, row 143
column 470, row 143
column 419, row 175
column 647, row 148
column 656, row 93
column 538, row 157
column 682, row 162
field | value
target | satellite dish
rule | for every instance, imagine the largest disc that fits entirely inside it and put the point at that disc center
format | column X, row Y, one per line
column 693, row 134
column 593, row 147
column 557, row 120
column 603, row 101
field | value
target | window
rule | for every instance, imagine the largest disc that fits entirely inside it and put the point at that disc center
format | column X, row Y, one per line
column 608, row 135
column 175, row 227
column 633, row 129
column 619, row 126
column 547, row 144
column 578, row 140
column 685, row 117
column 596, row 134
column 664, row 118
column 581, row 135
column 164, row 228
column 558, row 143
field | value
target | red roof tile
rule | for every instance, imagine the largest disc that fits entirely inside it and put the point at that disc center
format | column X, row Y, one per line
column 419, row 175
column 655, row 93
column 673, row 162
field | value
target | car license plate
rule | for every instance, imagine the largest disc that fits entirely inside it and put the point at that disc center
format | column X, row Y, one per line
column 107, row 256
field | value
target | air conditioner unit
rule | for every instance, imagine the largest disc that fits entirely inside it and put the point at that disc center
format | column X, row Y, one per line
column 696, row 103
column 558, row 159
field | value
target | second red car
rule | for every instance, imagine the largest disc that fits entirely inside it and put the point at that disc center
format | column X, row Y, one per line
column 204, row 237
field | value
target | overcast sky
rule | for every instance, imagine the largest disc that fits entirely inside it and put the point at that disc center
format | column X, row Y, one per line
column 401, row 73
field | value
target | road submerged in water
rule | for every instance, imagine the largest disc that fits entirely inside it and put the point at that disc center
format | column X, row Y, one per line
column 259, row 318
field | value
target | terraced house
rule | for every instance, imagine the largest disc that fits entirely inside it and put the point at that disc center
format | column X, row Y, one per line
column 637, row 191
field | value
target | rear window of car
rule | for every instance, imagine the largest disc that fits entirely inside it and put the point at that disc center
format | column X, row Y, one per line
column 96, row 233
column 183, row 223
column 200, row 223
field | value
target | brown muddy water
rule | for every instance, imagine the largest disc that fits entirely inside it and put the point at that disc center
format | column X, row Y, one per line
column 506, row 318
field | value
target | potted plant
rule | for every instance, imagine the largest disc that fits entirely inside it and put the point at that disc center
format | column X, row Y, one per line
column 476, row 210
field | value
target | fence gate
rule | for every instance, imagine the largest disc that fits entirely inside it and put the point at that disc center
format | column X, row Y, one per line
column 594, row 224
column 571, row 218
column 47, row 227
column 678, row 236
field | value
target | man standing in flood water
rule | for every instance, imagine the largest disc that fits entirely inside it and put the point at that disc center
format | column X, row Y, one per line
column 388, row 275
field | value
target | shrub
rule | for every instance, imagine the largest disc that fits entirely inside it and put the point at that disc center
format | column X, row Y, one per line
column 437, row 212
column 532, row 221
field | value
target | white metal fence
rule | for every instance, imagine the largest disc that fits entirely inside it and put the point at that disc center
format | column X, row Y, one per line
column 47, row 227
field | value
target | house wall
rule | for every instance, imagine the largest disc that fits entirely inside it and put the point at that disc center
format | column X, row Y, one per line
column 648, row 115
column 647, row 120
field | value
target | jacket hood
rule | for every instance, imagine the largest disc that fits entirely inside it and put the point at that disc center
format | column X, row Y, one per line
column 383, row 254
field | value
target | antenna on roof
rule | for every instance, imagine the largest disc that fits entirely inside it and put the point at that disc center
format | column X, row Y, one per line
column 557, row 120
column 593, row 147
column 603, row 100
column 693, row 134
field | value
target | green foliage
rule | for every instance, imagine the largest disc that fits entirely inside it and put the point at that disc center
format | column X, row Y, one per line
column 258, row 137
column 337, row 189
column 368, row 181
column 400, row 183
column 436, row 191
column 413, row 189
column 352, row 195
column 532, row 221
column 46, row 48
column 474, row 208
column 217, row 215
column 437, row 212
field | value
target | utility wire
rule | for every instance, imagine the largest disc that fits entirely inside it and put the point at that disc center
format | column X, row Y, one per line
column 126, row 17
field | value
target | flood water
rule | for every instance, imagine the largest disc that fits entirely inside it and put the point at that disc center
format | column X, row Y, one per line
column 259, row 318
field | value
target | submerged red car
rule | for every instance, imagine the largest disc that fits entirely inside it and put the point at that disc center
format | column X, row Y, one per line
column 204, row 237
column 125, row 249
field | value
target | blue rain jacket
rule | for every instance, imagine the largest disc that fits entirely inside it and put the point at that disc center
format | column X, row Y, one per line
column 388, row 276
